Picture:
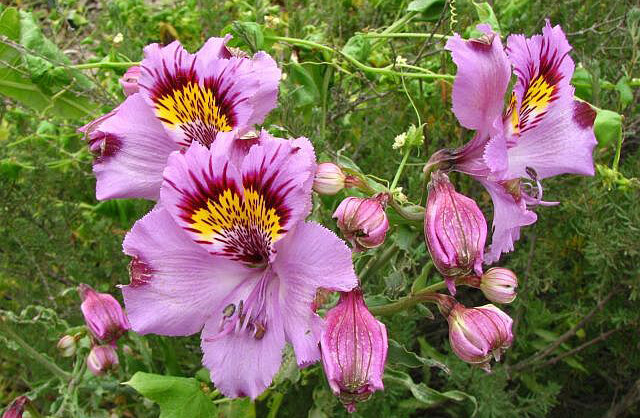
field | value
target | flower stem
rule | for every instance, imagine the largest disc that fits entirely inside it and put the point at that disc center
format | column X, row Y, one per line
column 34, row 354
column 405, row 35
column 396, row 178
column 423, row 295
column 103, row 65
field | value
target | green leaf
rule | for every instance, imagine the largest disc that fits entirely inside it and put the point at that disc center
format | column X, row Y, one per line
column 176, row 396
column 305, row 91
column 357, row 47
column 251, row 34
column 608, row 127
column 583, row 83
column 486, row 15
column 428, row 396
column 626, row 94
column 9, row 170
column 430, row 9
column 398, row 354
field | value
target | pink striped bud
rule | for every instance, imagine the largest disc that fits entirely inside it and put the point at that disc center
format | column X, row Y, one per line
column 103, row 314
column 129, row 80
column 101, row 359
column 16, row 409
column 67, row 346
column 329, row 179
column 499, row 285
column 354, row 350
column 363, row 221
column 455, row 231
column 478, row 334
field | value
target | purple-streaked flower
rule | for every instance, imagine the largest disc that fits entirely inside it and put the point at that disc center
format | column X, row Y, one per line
column 101, row 359
column 499, row 285
column 329, row 179
column 16, row 409
column 455, row 231
column 227, row 252
column 544, row 131
column 363, row 221
column 129, row 80
column 182, row 98
column 103, row 314
column 478, row 334
column 67, row 345
column 354, row 350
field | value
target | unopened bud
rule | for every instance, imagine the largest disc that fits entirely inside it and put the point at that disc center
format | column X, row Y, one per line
column 455, row 231
column 103, row 314
column 101, row 359
column 67, row 346
column 478, row 334
column 354, row 350
column 499, row 285
column 329, row 179
column 363, row 221
column 129, row 80
column 16, row 409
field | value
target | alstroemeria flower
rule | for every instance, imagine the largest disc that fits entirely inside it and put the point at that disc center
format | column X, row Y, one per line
column 544, row 131
column 182, row 98
column 227, row 252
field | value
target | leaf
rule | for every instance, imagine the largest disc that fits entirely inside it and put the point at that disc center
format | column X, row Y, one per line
column 583, row 83
column 426, row 395
column 486, row 15
column 251, row 33
column 121, row 210
column 398, row 354
column 306, row 91
column 176, row 396
column 430, row 9
column 608, row 127
column 626, row 94
column 357, row 47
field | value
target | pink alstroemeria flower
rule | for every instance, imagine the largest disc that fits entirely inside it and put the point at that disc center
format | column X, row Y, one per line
column 227, row 252
column 182, row 98
column 544, row 131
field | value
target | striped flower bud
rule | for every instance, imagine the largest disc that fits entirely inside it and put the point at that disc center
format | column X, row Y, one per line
column 455, row 231
column 101, row 359
column 103, row 314
column 354, row 350
column 329, row 179
column 363, row 221
column 129, row 80
column 67, row 346
column 499, row 285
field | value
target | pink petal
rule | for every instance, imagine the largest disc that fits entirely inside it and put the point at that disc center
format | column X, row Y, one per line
column 508, row 217
column 134, row 150
column 310, row 257
column 175, row 284
column 481, row 81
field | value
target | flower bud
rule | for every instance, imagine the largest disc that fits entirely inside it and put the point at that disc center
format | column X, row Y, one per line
column 363, row 221
column 129, row 80
column 329, row 179
column 67, row 346
column 103, row 314
column 16, row 409
column 455, row 231
column 499, row 285
column 477, row 334
column 101, row 359
column 354, row 350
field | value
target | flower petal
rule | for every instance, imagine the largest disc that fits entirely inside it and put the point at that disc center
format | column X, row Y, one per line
column 131, row 151
column 310, row 257
column 553, row 133
column 481, row 81
column 508, row 217
column 175, row 284
column 241, row 364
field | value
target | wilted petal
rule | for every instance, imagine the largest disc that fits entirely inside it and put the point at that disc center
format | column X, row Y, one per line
column 509, row 215
column 175, row 284
column 481, row 81
column 310, row 257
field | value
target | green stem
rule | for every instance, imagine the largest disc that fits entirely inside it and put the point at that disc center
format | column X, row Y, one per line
column 396, row 178
column 376, row 262
column 103, row 65
column 405, row 35
column 34, row 354
column 358, row 64
column 423, row 295
column 616, row 159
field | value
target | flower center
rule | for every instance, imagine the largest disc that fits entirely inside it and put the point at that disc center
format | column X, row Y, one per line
column 194, row 110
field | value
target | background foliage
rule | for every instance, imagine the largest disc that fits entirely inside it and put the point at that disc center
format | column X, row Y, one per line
column 577, row 347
